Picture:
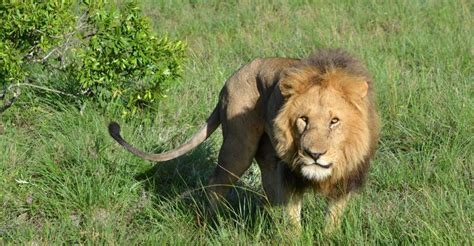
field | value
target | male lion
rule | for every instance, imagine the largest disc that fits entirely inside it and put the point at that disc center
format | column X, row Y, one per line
column 309, row 123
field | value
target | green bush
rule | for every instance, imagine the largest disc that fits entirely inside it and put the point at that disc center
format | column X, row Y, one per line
column 28, row 31
column 110, row 55
column 124, row 62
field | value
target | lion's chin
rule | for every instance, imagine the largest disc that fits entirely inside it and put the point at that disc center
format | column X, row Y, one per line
column 315, row 172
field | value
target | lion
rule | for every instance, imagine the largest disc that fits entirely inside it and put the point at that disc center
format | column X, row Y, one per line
column 309, row 123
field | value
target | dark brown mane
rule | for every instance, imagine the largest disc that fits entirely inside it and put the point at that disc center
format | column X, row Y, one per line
column 327, row 59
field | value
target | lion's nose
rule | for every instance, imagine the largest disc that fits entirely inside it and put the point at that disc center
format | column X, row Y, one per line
column 314, row 155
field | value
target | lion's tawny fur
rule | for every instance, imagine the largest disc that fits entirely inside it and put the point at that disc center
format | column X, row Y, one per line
column 309, row 123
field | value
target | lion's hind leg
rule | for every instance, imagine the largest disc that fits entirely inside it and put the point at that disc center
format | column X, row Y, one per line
column 235, row 157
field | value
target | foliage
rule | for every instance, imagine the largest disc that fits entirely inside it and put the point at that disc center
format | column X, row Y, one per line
column 26, row 35
column 109, row 54
column 124, row 60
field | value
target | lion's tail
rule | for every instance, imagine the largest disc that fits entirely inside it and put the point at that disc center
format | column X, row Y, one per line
column 211, row 125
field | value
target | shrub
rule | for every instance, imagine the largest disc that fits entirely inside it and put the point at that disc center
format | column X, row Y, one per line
column 28, row 30
column 111, row 55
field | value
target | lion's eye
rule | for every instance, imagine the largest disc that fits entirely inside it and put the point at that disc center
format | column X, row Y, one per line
column 301, row 124
column 334, row 122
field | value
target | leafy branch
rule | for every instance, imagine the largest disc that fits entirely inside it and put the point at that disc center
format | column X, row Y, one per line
column 108, row 55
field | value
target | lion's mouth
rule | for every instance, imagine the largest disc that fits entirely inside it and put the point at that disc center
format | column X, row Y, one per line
column 325, row 166
column 319, row 163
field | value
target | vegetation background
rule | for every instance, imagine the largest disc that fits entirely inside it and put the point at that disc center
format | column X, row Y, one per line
column 63, row 179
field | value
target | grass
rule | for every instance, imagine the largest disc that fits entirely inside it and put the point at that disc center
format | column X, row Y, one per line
column 63, row 179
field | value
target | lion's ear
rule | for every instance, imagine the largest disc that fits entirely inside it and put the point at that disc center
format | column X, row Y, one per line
column 294, row 81
column 287, row 88
column 357, row 88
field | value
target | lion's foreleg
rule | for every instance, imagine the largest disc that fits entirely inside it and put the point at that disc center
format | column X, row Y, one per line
column 334, row 213
column 279, row 192
column 293, row 209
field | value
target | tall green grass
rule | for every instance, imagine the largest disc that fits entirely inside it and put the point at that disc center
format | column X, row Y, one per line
column 63, row 179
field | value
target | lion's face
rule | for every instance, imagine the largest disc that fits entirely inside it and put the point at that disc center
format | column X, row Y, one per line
column 322, row 129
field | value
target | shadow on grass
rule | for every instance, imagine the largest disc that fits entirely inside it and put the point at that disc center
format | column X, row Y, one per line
column 185, row 179
column 166, row 179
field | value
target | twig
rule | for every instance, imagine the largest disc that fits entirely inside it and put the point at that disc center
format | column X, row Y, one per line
column 49, row 54
column 64, row 46
column 41, row 88
column 9, row 102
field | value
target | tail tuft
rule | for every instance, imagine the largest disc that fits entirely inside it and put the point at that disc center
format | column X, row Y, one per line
column 114, row 129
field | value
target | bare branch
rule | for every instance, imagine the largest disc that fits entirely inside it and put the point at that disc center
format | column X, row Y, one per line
column 68, row 38
column 43, row 88
column 9, row 102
